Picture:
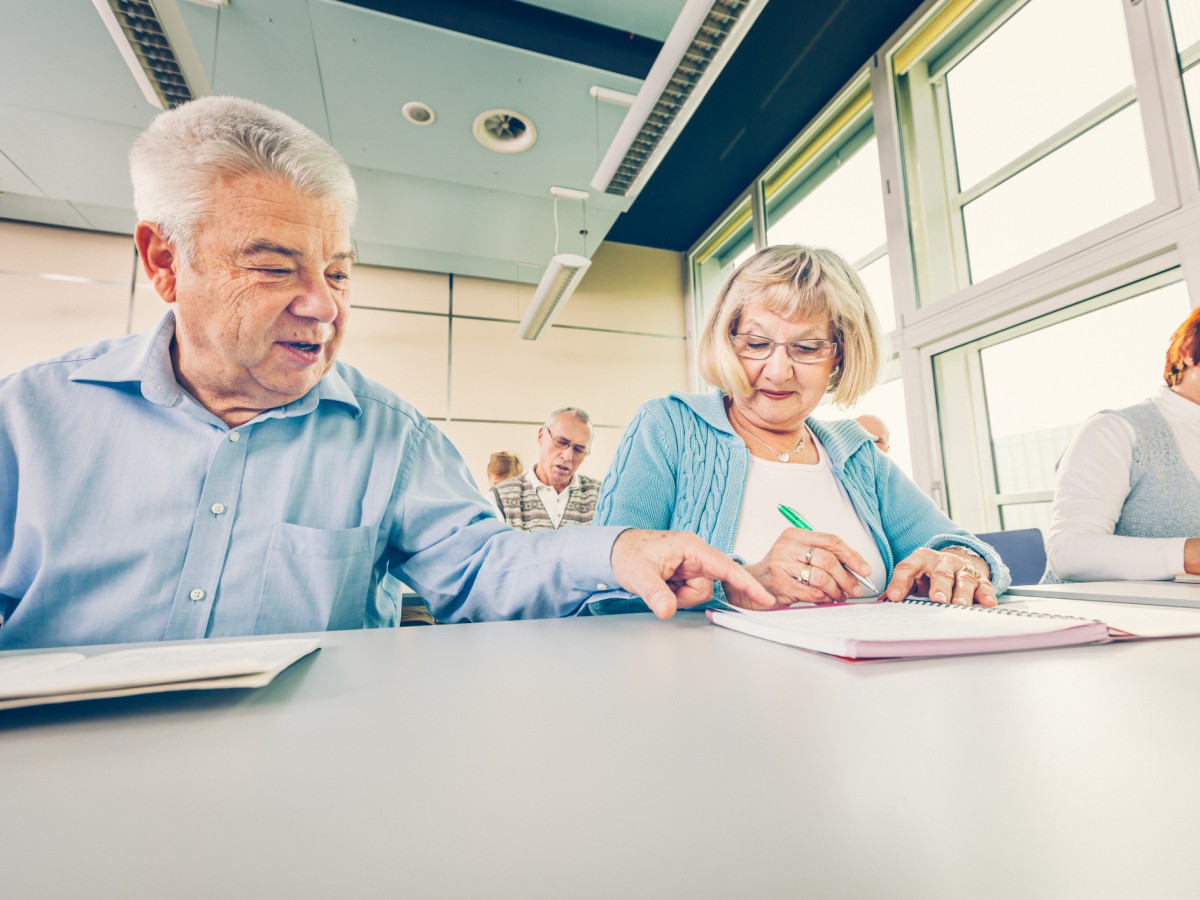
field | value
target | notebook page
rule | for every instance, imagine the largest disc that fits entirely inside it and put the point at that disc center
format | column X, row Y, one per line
column 907, row 622
column 13, row 668
column 1136, row 619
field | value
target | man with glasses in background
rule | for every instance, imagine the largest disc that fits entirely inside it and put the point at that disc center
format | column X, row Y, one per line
column 551, row 495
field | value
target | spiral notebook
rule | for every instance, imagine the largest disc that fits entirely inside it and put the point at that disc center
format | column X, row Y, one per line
column 911, row 628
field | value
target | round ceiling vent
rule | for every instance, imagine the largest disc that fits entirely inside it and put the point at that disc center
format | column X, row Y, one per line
column 504, row 131
column 418, row 113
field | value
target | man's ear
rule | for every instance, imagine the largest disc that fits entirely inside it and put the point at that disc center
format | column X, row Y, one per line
column 159, row 258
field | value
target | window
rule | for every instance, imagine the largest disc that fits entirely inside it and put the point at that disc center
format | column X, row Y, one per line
column 1011, row 402
column 1021, row 131
column 885, row 400
column 826, row 193
column 1185, row 19
column 729, row 245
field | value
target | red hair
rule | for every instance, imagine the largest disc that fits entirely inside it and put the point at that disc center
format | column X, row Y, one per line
column 1182, row 350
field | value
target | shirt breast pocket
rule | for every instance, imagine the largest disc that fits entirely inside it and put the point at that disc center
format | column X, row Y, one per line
column 315, row 579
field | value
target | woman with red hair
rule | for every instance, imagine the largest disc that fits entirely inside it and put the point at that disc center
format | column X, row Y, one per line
column 1127, row 497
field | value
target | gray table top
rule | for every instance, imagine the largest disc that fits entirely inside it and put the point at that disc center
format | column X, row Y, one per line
column 620, row 757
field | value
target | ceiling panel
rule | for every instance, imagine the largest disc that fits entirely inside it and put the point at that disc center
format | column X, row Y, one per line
column 649, row 18
column 459, row 77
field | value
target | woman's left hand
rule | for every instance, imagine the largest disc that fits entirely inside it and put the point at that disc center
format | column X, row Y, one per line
column 944, row 577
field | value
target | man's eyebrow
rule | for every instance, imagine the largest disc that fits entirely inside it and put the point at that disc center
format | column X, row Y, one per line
column 263, row 246
column 254, row 247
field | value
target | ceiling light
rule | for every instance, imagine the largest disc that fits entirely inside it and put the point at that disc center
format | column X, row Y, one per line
column 419, row 113
column 558, row 282
column 700, row 44
column 504, row 131
column 156, row 46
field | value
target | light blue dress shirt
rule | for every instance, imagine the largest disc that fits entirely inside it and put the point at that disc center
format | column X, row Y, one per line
column 128, row 512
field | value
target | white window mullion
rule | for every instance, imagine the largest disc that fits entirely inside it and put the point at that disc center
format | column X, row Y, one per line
column 1164, row 109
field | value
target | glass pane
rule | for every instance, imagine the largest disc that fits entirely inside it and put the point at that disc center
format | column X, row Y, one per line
column 1097, row 177
column 1026, row 515
column 1185, row 18
column 1191, row 90
column 844, row 212
column 877, row 278
column 1049, row 64
column 887, row 402
column 711, row 267
column 1042, row 385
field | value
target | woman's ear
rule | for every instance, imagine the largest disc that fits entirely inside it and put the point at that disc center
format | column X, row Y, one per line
column 159, row 258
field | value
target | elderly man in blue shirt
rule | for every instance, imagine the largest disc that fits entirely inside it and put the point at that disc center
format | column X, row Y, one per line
column 224, row 475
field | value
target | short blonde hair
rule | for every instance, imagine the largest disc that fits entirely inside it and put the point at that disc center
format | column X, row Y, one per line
column 795, row 281
column 503, row 465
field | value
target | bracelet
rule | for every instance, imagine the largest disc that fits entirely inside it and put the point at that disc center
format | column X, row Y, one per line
column 967, row 551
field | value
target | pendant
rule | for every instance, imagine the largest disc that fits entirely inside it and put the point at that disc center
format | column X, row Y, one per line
column 784, row 457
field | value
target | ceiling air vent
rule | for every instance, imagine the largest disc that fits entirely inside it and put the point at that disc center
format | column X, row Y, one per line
column 157, row 48
column 700, row 43
column 504, row 131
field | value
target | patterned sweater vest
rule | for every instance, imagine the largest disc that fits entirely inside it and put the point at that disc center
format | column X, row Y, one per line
column 522, row 507
column 1164, row 495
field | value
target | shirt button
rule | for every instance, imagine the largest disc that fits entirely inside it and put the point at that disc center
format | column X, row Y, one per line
column 217, row 508
column 198, row 594
column 602, row 586
column 235, row 436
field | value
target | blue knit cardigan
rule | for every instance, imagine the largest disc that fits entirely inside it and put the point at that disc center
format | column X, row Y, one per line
column 681, row 466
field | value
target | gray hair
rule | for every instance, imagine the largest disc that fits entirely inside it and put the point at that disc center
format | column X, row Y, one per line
column 793, row 281
column 175, row 163
column 573, row 410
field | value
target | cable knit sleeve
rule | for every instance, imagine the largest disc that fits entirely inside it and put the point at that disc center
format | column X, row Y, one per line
column 639, row 489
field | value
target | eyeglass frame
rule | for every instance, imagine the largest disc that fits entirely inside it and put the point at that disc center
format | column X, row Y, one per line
column 787, row 345
column 562, row 444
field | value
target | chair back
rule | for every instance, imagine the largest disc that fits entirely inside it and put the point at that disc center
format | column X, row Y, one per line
column 1023, row 551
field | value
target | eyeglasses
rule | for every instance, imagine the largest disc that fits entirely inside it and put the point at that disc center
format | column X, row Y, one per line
column 753, row 346
column 562, row 444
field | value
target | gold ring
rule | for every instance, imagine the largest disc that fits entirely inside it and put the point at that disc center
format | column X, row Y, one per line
column 805, row 573
column 809, row 555
column 970, row 572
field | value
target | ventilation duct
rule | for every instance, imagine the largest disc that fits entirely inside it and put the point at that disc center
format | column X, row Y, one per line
column 156, row 46
column 700, row 43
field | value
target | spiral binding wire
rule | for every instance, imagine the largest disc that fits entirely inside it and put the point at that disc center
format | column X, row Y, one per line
column 1001, row 610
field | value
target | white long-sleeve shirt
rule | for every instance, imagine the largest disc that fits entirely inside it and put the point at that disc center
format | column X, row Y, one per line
column 1090, row 491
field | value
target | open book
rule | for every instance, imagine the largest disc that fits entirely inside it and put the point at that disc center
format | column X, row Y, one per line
column 28, row 679
column 911, row 628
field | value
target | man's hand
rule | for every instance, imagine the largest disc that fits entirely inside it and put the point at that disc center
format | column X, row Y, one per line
column 672, row 569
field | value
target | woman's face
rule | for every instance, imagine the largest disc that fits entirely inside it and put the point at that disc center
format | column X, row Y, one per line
column 783, row 392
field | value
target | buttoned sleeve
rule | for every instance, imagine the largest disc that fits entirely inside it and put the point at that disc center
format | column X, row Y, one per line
column 449, row 544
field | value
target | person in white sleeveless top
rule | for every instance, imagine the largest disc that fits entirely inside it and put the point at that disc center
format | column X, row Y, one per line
column 790, row 325
column 1127, row 492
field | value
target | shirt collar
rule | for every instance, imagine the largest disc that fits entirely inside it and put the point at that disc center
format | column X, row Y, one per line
column 146, row 361
column 1180, row 407
column 538, row 483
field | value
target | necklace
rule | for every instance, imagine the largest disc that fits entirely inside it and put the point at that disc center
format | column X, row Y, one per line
column 786, row 454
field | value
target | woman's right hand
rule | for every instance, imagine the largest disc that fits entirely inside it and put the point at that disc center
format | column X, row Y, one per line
column 804, row 566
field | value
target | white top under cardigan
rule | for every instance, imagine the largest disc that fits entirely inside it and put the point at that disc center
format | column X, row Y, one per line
column 1090, row 491
column 816, row 495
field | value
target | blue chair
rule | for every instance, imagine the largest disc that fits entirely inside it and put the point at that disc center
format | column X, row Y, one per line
column 1023, row 551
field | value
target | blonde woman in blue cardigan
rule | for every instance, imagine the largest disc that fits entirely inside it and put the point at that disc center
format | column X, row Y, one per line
column 791, row 325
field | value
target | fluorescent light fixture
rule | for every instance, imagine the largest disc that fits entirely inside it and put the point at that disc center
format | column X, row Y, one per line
column 701, row 42
column 157, row 48
column 558, row 282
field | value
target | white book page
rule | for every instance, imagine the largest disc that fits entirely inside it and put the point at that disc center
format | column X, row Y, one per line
column 157, row 665
column 13, row 668
column 907, row 622
column 1132, row 618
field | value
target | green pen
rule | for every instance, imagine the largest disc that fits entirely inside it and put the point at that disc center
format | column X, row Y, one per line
column 796, row 522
